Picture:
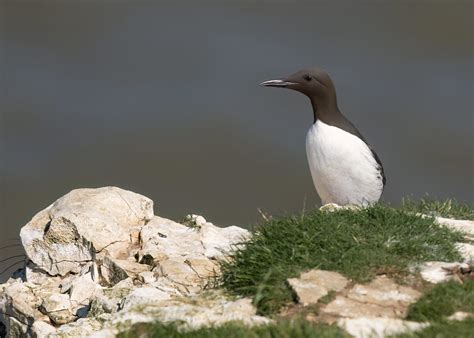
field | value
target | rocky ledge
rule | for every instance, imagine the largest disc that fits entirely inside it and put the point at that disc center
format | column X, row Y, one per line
column 99, row 261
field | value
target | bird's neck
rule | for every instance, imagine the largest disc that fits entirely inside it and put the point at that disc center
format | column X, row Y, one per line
column 325, row 111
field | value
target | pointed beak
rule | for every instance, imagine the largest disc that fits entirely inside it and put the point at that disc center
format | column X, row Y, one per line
column 275, row 83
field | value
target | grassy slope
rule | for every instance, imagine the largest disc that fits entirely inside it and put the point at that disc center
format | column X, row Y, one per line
column 445, row 329
column 287, row 329
column 358, row 244
column 448, row 208
column 440, row 302
column 443, row 300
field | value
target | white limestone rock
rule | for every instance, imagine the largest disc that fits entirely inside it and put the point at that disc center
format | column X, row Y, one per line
column 144, row 296
column 52, row 285
column 42, row 329
column 379, row 298
column 218, row 242
column 115, row 270
column 35, row 275
column 109, row 300
column 83, row 327
column 377, row 327
column 67, row 234
column 314, row 284
column 58, row 308
column 345, row 307
column 464, row 226
column 204, row 268
column 467, row 251
column 211, row 312
column 146, row 277
column 124, row 284
column 385, row 292
column 162, row 238
column 173, row 289
column 17, row 300
column 184, row 257
column 438, row 272
column 81, row 292
column 179, row 273
column 460, row 316
column 90, row 254
column 188, row 312
column 331, row 207
column 195, row 220
column 105, row 333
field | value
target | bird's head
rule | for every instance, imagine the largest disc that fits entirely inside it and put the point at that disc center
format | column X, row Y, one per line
column 313, row 82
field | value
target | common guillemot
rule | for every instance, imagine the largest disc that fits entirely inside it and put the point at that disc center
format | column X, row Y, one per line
column 344, row 167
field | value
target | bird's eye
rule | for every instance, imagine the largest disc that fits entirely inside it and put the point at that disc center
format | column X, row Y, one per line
column 307, row 77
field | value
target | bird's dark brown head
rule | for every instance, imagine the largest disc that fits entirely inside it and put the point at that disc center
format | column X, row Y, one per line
column 314, row 83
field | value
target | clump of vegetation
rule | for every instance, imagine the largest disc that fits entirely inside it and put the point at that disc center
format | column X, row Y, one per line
column 444, row 329
column 439, row 303
column 358, row 244
column 285, row 329
column 442, row 301
column 449, row 208
column 190, row 222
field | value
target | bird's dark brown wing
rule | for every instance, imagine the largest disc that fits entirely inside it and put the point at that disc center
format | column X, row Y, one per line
column 342, row 122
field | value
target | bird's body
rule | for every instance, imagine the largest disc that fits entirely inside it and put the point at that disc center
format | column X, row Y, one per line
column 345, row 169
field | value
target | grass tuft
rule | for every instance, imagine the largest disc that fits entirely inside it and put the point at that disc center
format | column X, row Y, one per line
column 286, row 329
column 445, row 329
column 359, row 244
column 442, row 301
column 439, row 303
column 449, row 208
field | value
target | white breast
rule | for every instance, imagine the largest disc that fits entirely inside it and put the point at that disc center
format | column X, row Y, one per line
column 343, row 168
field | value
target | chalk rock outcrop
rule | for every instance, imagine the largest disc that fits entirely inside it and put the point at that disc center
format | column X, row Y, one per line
column 380, row 298
column 464, row 226
column 438, row 272
column 68, row 234
column 99, row 260
column 378, row 327
column 314, row 284
column 375, row 309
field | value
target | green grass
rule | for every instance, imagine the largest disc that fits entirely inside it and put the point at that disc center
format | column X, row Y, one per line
column 358, row 244
column 445, row 329
column 442, row 301
column 286, row 329
column 449, row 208
column 435, row 305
